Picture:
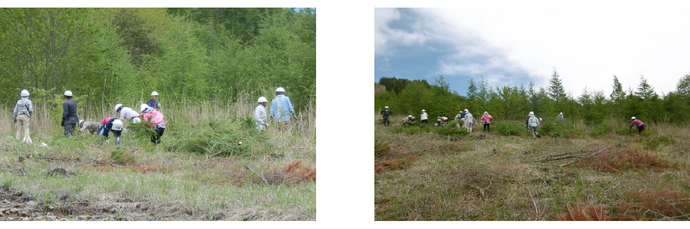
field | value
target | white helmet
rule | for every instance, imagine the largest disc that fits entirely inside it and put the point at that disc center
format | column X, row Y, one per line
column 154, row 93
column 531, row 113
column 25, row 93
column 540, row 119
column 486, row 112
column 466, row 110
column 262, row 100
column 136, row 120
column 561, row 112
column 280, row 89
column 410, row 116
column 143, row 107
column 423, row 110
column 81, row 121
column 117, row 125
column 118, row 106
column 68, row 93
column 386, row 107
column 633, row 118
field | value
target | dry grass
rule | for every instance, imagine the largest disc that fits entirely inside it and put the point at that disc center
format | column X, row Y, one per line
column 630, row 159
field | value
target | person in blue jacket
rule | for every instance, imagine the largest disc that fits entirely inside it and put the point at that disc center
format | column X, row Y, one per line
column 281, row 107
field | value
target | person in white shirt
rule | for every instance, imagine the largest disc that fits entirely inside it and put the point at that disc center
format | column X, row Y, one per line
column 260, row 114
column 424, row 118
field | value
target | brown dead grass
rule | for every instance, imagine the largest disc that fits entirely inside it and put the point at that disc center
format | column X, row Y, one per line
column 293, row 173
column 629, row 159
column 397, row 163
column 649, row 205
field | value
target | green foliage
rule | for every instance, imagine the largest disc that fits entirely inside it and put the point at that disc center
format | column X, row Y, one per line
column 560, row 129
column 599, row 130
column 211, row 136
column 119, row 156
column 451, row 130
column 380, row 148
column 509, row 127
column 656, row 142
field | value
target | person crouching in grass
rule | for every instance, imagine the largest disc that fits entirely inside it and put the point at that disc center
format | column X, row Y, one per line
column 110, row 124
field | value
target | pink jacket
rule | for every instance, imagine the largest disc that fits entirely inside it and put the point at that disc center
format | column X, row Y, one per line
column 486, row 118
column 636, row 122
column 156, row 118
column 106, row 120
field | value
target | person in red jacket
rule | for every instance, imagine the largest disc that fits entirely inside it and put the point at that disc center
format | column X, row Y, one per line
column 640, row 125
column 486, row 120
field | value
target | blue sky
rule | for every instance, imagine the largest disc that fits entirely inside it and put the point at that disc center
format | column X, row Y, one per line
column 509, row 46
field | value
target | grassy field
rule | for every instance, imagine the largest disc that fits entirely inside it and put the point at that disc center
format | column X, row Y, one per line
column 271, row 176
column 601, row 172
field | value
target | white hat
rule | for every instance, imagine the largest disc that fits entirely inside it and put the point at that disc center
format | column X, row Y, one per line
column 410, row 116
column 262, row 100
column 633, row 118
column 561, row 112
column 24, row 93
column 136, row 120
column 118, row 106
column 531, row 113
column 143, row 107
column 386, row 106
column 68, row 93
column 280, row 89
column 466, row 110
column 117, row 125
column 80, row 121
column 486, row 112
column 423, row 110
column 154, row 93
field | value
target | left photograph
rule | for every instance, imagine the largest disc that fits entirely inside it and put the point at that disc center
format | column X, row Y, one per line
column 157, row 114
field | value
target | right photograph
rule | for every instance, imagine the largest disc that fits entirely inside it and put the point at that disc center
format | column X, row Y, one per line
column 534, row 114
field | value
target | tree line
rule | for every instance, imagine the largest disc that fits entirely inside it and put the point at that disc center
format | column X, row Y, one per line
column 105, row 56
column 405, row 97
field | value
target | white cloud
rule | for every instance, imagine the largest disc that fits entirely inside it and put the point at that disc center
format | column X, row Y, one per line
column 384, row 35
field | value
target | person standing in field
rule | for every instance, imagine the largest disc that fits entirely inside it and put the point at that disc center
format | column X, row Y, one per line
column 260, row 114
column 533, row 123
column 281, row 108
column 386, row 114
column 22, row 114
column 110, row 124
column 154, row 120
column 469, row 120
column 636, row 122
column 424, row 117
column 69, row 114
column 486, row 121
column 153, row 102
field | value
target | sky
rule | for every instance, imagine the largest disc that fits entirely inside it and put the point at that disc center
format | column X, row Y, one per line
column 516, row 46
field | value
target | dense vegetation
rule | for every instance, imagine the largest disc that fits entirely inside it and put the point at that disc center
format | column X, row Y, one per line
column 106, row 56
column 513, row 103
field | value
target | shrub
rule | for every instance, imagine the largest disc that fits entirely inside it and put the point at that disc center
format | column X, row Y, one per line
column 211, row 136
column 510, row 127
column 381, row 148
column 654, row 143
column 119, row 156
column 599, row 130
column 560, row 129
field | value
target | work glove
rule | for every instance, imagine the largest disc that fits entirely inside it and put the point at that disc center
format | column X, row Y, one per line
column 62, row 123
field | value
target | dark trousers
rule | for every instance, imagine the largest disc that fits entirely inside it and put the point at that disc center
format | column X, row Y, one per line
column 157, row 139
column 487, row 127
column 640, row 129
column 386, row 122
column 69, row 127
column 425, row 121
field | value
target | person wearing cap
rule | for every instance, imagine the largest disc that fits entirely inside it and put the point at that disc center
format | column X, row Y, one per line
column 126, row 113
column 532, row 124
column 559, row 117
column 469, row 120
column 153, row 102
column 424, row 117
column 636, row 122
column 460, row 118
column 409, row 120
column 386, row 114
column 486, row 121
column 260, row 114
column 281, row 107
column 69, row 114
column 154, row 120
column 92, row 127
column 110, row 124
column 22, row 116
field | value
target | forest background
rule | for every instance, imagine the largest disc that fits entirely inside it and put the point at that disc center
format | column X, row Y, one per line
column 405, row 97
column 190, row 56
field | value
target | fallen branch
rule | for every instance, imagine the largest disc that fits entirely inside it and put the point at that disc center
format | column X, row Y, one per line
column 262, row 177
column 595, row 153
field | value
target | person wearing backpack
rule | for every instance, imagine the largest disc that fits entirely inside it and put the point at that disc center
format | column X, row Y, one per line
column 22, row 116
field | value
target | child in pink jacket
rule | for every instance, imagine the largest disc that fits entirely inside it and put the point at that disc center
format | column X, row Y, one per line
column 640, row 125
column 154, row 120
column 486, row 120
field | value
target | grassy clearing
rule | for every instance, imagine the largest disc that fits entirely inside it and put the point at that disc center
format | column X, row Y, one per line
column 271, row 176
column 491, row 176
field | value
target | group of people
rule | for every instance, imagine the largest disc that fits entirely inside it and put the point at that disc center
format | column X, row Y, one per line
column 466, row 119
column 281, row 111
column 70, row 118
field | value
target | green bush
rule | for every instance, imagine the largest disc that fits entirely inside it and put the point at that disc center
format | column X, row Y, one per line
column 211, row 136
column 510, row 127
column 450, row 129
column 599, row 130
column 560, row 129
column 656, row 142
column 119, row 156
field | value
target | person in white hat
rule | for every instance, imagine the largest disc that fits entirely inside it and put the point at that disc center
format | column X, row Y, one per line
column 636, row 122
column 424, row 117
column 69, row 114
column 154, row 120
column 260, row 114
column 532, row 124
column 559, row 117
column 90, row 126
column 281, row 107
column 409, row 120
column 469, row 120
column 110, row 124
column 126, row 113
column 153, row 102
column 386, row 115
column 22, row 113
